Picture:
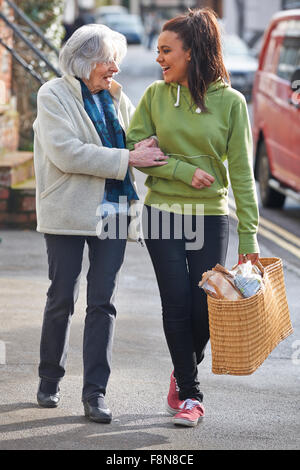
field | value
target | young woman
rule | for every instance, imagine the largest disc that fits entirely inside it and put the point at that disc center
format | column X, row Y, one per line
column 199, row 121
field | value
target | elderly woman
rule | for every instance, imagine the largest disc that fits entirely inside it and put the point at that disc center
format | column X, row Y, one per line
column 81, row 162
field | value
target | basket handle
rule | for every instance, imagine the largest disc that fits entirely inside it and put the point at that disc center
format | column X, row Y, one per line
column 258, row 264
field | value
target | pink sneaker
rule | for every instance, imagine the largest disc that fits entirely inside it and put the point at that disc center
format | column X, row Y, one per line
column 173, row 402
column 191, row 411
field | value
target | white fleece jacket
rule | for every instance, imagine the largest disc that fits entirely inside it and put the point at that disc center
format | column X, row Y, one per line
column 70, row 162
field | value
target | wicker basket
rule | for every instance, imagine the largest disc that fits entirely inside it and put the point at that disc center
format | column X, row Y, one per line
column 244, row 332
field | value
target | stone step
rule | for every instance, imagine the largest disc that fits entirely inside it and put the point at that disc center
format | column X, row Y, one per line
column 15, row 168
column 29, row 185
column 17, row 203
column 22, row 197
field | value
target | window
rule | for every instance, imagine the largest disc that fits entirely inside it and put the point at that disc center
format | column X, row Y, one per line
column 289, row 58
column 287, row 4
column 269, row 59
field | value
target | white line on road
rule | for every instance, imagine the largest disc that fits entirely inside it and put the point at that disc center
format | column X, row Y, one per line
column 282, row 242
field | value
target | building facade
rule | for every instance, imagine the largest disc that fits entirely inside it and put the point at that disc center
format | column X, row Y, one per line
column 247, row 18
column 9, row 132
column 17, row 186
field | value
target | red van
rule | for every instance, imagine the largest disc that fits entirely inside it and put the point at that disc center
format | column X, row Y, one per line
column 276, row 111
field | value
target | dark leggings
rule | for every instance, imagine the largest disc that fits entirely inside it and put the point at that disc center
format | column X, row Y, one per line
column 184, row 305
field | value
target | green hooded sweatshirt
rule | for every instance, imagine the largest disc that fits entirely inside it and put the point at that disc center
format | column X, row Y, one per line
column 193, row 139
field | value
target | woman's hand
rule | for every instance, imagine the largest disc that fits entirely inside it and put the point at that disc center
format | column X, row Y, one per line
column 201, row 179
column 146, row 153
column 150, row 142
column 253, row 257
column 144, row 156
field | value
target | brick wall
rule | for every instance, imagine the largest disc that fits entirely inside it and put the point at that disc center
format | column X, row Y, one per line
column 17, row 209
column 17, row 191
column 17, row 204
column 9, row 129
column 5, row 57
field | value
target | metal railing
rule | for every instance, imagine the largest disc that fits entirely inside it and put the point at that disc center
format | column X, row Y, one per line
column 35, row 29
column 23, row 62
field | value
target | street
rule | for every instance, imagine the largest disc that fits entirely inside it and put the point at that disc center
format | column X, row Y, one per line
column 254, row 412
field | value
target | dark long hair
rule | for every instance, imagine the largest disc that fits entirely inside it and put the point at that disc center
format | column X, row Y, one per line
column 200, row 32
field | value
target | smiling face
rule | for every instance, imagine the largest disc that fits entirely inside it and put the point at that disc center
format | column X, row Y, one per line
column 101, row 77
column 172, row 58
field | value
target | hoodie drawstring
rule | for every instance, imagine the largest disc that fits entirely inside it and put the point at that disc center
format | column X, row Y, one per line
column 178, row 97
column 198, row 110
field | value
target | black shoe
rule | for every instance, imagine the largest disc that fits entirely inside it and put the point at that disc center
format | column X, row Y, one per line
column 47, row 400
column 96, row 410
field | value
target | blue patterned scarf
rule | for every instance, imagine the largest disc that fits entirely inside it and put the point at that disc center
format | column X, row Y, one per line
column 112, row 136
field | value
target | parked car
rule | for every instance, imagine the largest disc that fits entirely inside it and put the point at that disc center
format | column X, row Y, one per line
column 240, row 63
column 276, row 111
column 110, row 10
column 129, row 25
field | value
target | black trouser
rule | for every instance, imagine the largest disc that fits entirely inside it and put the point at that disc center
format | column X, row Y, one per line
column 65, row 262
column 184, row 305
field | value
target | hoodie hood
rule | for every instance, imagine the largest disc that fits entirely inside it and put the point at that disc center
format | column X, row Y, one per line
column 212, row 88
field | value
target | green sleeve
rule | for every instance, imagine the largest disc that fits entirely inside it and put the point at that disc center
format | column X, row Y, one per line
column 240, row 166
column 142, row 127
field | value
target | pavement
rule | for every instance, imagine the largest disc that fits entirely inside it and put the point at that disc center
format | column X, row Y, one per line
column 255, row 412
column 260, row 411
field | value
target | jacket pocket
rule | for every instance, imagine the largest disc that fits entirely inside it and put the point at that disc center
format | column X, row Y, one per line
column 214, row 167
column 55, row 185
column 211, row 165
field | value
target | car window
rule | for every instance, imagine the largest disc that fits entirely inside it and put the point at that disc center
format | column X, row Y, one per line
column 125, row 20
column 289, row 58
column 269, row 59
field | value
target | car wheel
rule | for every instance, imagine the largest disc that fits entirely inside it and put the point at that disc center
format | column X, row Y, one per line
column 269, row 196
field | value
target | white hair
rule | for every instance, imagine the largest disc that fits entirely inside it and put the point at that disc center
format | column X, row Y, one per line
column 89, row 45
